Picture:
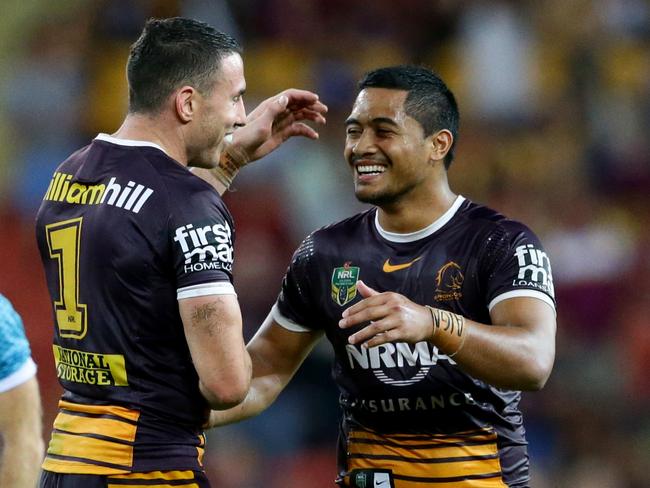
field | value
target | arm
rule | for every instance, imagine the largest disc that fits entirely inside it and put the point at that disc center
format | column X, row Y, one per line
column 276, row 353
column 273, row 121
column 213, row 329
column 515, row 352
column 20, row 427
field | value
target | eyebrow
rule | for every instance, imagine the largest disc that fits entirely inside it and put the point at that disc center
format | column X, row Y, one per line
column 375, row 121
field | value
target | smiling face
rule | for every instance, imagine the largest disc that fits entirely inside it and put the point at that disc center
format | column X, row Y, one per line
column 219, row 112
column 387, row 150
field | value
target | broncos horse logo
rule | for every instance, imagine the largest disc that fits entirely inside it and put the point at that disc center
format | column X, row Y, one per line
column 449, row 282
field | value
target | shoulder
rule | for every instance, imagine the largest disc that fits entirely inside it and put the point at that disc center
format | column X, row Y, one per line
column 344, row 229
column 329, row 239
column 492, row 223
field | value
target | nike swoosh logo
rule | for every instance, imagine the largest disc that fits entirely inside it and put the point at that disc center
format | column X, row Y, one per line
column 390, row 268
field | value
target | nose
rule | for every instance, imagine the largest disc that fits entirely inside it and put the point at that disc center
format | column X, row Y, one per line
column 240, row 114
column 364, row 144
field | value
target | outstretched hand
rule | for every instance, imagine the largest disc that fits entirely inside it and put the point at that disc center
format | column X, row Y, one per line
column 274, row 121
column 392, row 316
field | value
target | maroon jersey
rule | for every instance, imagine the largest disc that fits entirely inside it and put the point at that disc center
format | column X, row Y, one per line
column 123, row 231
column 406, row 405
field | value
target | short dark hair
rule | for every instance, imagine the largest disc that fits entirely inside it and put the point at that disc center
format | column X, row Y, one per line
column 429, row 101
column 171, row 53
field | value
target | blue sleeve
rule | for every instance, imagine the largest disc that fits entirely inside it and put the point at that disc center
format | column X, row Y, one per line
column 14, row 348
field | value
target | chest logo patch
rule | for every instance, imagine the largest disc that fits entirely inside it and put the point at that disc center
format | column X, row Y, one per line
column 390, row 268
column 344, row 281
column 449, row 282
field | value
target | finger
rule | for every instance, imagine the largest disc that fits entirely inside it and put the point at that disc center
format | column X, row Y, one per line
column 299, row 129
column 365, row 314
column 365, row 290
column 315, row 106
column 369, row 299
column 299, row 96
column 372, row 330
column 308, row 114
column 379, row 339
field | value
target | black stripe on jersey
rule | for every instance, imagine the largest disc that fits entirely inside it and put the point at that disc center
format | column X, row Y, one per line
column 455, row 459
column 450, row 479
column 92, row 435
column 155, row 482
column 89, row 461
column 99, row 416
column 439, row 444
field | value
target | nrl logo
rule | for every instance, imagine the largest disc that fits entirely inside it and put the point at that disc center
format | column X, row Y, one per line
column 344, row 281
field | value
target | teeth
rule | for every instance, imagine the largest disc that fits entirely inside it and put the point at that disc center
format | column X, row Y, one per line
column 370, row 169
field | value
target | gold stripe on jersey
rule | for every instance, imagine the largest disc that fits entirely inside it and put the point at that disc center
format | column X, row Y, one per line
column 465, row 459
column 114, row 410
column 106, row 426
column 92, row 439
column 149, row 480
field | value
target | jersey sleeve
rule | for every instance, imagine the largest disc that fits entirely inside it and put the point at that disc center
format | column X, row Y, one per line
column 515, row 264
column 201, row 233
column 16, row 364
column 294, row 309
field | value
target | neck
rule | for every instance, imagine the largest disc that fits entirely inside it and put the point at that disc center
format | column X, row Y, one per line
column 415, row 212
column 152, row 128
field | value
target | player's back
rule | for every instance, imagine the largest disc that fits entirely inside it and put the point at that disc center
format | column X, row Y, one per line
column 104, row 235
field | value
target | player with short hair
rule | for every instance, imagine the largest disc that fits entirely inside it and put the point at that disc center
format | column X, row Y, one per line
column 20, row 404
column 439, row 310
column 138, row 256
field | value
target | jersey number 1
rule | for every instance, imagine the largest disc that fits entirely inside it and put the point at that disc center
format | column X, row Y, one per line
column 63, row 240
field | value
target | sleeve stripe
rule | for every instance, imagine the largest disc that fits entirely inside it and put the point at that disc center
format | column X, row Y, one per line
column 25, row 372
column 205, row 289
column 522, row 293
column 285, row 322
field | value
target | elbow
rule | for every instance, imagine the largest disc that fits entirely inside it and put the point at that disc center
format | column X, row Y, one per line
column 537, row 373
column 225, row 394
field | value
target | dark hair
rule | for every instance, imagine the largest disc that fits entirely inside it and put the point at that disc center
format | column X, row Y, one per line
column 171, row 53
column 429, row 101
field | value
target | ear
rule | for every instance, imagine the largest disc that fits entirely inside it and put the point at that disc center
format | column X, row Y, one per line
column 441, row 143
column 185, row 103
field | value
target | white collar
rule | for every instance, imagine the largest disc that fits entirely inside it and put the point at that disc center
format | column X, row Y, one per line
column 127, row 142
column 422, row 233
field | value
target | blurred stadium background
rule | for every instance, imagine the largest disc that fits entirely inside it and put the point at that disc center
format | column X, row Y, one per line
column 555, row 108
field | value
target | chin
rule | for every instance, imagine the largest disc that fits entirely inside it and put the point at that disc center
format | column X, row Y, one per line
column 378, row 199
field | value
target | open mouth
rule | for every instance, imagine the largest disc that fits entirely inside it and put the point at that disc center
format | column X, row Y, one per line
column 369, row 169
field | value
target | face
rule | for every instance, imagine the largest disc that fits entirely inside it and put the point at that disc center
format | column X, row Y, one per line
column 385, row 148
column 219, row 112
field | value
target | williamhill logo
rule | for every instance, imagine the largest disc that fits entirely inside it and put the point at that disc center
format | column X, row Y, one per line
column 206, row 247
column 131, row 196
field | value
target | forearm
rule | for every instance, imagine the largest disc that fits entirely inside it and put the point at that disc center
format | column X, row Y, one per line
column 262, row 393
column 23, row 447
column 222, row 175
column 511, row 357
column 21, row 459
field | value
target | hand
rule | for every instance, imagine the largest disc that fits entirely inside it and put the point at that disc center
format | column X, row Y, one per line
column 392, row 316
column 274, row 121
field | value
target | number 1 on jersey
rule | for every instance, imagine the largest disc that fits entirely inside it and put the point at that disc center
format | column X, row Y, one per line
column 63, row 239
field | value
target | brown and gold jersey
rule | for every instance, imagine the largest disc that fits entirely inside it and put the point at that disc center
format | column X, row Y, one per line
column 401, row 398
column 123, row 231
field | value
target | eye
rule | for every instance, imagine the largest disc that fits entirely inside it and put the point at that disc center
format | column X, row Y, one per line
column 353, row 131
column 236, row 98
